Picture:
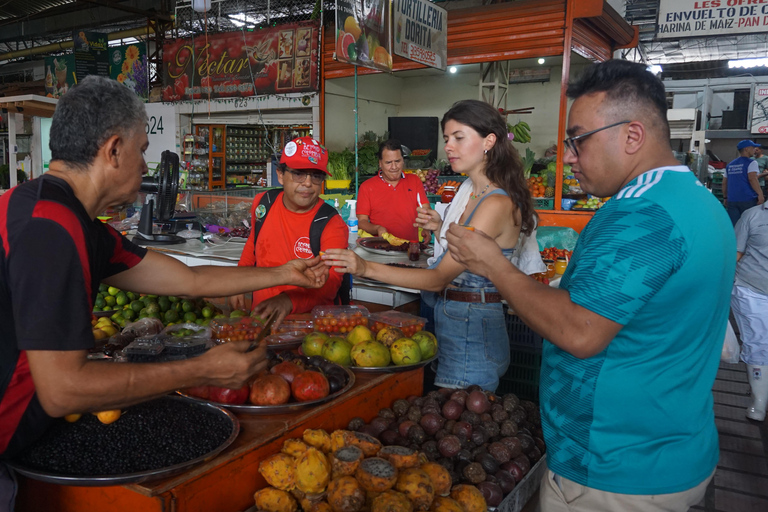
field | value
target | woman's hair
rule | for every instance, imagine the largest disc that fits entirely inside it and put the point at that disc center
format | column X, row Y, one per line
column 503, row 165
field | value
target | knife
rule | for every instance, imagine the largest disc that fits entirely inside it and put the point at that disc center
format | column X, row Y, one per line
column 266, row 331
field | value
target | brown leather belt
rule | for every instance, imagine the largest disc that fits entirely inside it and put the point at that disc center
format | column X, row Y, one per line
column 478, row 297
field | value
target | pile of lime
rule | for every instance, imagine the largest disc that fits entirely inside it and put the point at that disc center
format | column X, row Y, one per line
column 130, row 306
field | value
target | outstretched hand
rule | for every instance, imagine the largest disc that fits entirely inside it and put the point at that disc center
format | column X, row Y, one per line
column 473, row 249
column 344, row 261
column 311, row 273
column 229, row 365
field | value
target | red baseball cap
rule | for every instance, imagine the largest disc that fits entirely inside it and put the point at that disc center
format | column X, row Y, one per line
column 305, row 153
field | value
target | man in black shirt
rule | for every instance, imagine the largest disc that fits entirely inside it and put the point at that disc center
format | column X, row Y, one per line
column 54, row 253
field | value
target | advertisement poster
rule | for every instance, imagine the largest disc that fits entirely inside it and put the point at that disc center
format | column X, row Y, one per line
column 704, row 18
column 59, row 75
column 128, row 65
column 421, row 32
column 760, row 110
column 283, row 59
column 363, row 33
column 91, row 54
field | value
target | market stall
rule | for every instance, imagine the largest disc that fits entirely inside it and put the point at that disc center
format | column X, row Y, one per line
column 227, row 482
column 589, row 31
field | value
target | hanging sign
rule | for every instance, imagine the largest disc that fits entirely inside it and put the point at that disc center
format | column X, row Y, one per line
column 760, row 110
column 91, row 54
column 364, row 34
column 59, row 75
column 128, row 65
column 282, row 59
column 421, row 32
column 161, row 131
column 704, row 18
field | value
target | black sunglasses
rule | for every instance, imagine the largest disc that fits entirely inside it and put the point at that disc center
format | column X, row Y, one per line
column 570, row 142
column 301, row 176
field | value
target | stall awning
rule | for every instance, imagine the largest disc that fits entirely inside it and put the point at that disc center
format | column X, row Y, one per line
column 29, row 104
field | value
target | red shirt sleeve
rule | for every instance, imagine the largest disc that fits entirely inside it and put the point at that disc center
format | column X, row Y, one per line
column 335, row 236
column 363, row 205
column 248, row 256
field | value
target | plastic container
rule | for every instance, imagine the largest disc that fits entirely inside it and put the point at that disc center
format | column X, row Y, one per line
column 186, row 346
column 292, row 325
column 144, row 350
column 188, row 330
column 339, row 319
column 352, row 219
column 560, row 265
column 409, row 324
column 244, row 328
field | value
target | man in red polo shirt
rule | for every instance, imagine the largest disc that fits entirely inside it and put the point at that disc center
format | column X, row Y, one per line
column 284, row 232
column 387, row 202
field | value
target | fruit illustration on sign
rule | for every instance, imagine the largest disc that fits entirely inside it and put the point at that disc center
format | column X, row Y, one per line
column 351, row 26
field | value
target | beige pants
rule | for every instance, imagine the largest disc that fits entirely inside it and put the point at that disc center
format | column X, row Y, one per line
column 569, row 496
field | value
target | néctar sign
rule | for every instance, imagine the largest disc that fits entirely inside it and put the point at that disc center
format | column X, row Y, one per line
column 421, row 32
column 760, row 110
column 699, row 18
column 282, row 59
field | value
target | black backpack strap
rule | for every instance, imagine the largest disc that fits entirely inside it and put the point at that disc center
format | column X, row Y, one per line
column 265, row 203
column 323, row 215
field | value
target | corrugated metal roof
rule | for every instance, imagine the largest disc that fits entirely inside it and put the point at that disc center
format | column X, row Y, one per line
column 26, row 8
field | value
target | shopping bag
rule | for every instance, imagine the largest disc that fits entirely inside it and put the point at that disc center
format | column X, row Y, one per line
column 731, row 348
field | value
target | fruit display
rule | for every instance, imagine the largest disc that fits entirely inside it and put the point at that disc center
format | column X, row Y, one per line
column 552, row 253
column 521, row 131
column 363, row 349
column 338, row 319
column 140, row 440
column 353, row 43
column 348, row 471
column 294, row 325
column 482, row 441
column 290, row 379
column 539, row 186
column 240, row 328
column 408, row 324
column 130, row 306
column 592, row 203
column 103, row 328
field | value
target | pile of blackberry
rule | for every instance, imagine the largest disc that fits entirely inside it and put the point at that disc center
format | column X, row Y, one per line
column 148, row 436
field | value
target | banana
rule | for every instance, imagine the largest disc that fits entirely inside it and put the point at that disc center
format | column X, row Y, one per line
column 393, row 240
column 525, row 125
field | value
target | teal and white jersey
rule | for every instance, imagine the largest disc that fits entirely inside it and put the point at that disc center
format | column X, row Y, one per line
column 637, row 418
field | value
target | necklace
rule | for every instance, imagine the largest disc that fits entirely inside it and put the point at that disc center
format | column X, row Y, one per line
column 475, row 196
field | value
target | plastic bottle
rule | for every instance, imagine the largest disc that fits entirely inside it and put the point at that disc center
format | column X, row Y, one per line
column 352, row 220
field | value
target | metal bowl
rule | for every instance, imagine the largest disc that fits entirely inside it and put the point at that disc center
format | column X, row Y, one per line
column 140, row 476
column 393, row 368
column 280, row 409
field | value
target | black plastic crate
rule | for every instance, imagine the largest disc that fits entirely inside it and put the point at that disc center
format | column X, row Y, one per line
column 520, row 335
column 522, row 377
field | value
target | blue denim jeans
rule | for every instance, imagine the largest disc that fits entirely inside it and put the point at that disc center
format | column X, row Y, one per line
column 736, row 208
column 473, row 344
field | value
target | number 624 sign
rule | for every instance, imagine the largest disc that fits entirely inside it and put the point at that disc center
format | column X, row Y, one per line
column 161, row 131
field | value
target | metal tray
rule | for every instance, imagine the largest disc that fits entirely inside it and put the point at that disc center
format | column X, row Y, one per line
column 141, row 476
column 279, row 409
column 362, row 242
column 393, row 368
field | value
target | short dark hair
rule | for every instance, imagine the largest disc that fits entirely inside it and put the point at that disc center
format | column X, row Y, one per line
column 88, row 115
column 630, row 87
column 391, row 145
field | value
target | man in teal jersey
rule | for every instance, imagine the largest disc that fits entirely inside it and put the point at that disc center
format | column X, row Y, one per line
column 634, row 334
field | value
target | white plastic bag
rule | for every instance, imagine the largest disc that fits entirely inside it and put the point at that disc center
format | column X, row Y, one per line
column 731, row 348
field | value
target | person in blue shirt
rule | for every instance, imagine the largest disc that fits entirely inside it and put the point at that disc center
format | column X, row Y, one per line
column 633, row 335
column 741, row 187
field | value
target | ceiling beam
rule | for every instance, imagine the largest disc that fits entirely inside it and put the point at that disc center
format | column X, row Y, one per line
column 127, row 8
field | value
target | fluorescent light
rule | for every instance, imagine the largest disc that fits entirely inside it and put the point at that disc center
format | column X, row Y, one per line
column 452, row 69
column 541, row 60
column 654, row 68
column 748, row 63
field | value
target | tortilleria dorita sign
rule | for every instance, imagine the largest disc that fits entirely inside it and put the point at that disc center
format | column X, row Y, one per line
column 421, row 32
column 282, row 59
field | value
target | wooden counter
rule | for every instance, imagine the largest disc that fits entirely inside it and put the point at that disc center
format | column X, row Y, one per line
column 226, row 483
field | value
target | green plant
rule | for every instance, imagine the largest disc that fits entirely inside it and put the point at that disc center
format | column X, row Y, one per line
column 528, row 161
column 5, row 177
column 341, row 165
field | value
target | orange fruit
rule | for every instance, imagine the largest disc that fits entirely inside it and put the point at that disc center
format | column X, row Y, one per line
column 71, row 418
column 382, row 57
column 107, row 417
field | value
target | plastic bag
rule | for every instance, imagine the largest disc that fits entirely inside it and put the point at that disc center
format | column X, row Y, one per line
column 559, row 237
column 731, row 347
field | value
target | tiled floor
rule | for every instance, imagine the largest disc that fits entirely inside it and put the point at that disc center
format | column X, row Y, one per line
column 741, row 479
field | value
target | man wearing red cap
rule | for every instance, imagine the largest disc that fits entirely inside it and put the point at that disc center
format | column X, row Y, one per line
column 282, row 223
